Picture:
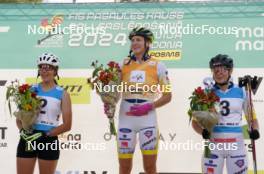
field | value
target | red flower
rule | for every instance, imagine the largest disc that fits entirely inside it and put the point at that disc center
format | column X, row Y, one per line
column 44, row 22
column 199, row 91
column 102, row 75
column 213, row 97
column 33, row 94
column 26, row 86
column 22, row 89
column 110, row 76
column 111, row 64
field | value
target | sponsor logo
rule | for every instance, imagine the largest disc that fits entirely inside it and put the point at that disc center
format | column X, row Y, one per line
column 77, row 87
column 210, row 164
column 3, row 133
column 240, row 163
column 241, row 171
column 124, row 137
column 124, row 144
column 53, row 22
column 213, row 156
column 3, row 137
column 258, row 81
column 166, row 54
column 137, row 76
column 53, row 38
column 3, row 82
column 128, row 139
column 148, row 133
column 210, row 170
column 148, row 142
column 70, row 141
column 125, row 130
column 238, row 156
column 163, row 137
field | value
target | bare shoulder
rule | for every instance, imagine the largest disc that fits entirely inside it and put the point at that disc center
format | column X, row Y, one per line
column 66, row 95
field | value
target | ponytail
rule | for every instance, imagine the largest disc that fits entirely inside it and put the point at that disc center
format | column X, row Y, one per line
column 130, row 57
column 55, row 81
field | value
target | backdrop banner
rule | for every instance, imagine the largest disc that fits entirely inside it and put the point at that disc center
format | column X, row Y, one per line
column 186, row 37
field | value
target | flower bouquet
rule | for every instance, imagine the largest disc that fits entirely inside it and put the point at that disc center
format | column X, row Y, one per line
column 27, row 103
column 202, row 109
column 28, row 107
column 102, row 77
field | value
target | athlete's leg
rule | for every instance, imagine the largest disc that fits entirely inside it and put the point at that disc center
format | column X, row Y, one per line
column 149, row 146
column 237, row 162
column 25, row 165
column 126, row 140
column 149, row 162
column 26, row 160
column 125, row 165
column 47, row 166
column 215, row 163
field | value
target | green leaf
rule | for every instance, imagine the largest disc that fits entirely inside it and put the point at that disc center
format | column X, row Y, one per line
column 95, row 72
column 190, row 115
column 115, row 78
column 9, row 107
column 112, row 129
column 205, row 107
column 9, row 92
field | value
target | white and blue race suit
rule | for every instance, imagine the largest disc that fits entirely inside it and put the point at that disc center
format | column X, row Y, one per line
column 49, row 115
column 227, row 136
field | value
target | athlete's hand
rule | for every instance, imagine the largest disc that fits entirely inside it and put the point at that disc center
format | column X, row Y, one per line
column 254, row 134
column 48, row 134
column 206, row 134
column 140, row 110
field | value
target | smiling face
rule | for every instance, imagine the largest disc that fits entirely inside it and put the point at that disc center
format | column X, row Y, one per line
column 221, row 74
column 138, row 45
column 47, row 72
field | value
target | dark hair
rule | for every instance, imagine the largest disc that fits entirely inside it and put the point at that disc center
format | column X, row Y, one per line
column 146, row 56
